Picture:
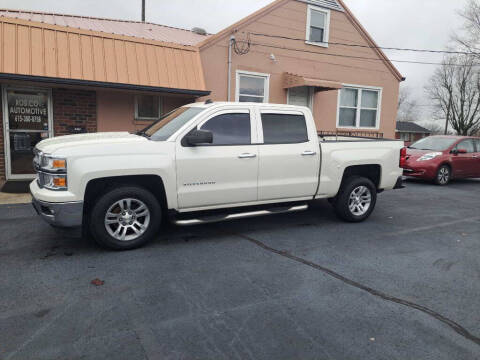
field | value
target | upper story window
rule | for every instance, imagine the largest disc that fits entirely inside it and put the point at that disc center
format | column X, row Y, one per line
column 147, row 107
column 318, row 24
column 284, row 129
column 359, row 107
column 230, row 129
column 252, row 87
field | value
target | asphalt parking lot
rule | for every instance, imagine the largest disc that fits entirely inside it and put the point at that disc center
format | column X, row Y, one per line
column 403, row 285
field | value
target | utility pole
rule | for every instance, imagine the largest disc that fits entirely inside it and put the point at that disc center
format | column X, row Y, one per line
column 143, row 10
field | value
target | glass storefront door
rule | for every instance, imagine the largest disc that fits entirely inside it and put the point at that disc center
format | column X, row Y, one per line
column 27, row 120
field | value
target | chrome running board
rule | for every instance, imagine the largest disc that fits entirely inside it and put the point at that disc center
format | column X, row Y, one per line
column 244, row 215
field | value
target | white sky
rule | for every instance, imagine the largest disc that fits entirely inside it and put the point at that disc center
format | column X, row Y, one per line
column 426, row 24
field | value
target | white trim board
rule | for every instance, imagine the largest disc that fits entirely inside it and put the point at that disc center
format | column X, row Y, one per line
column 328, row 4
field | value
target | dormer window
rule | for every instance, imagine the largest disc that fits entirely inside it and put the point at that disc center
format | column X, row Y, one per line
column 318, row 23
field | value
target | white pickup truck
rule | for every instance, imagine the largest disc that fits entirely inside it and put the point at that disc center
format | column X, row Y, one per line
column 207, row 162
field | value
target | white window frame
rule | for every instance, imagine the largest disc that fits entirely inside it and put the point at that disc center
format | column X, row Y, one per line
column 311, row 96
column 326, row 33
column 359, row 106
column 266, row 91
column 160, row 107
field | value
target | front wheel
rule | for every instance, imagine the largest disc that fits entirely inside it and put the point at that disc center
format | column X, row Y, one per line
column 125, row 218
column 356, row 199
column 443, row 175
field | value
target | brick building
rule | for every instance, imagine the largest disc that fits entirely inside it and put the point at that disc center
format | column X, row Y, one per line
column 410, row 132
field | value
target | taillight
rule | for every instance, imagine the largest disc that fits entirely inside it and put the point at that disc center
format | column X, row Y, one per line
column 403, row 157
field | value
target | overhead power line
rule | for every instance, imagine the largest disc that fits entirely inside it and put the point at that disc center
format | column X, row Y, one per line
column 451, row 52
column 354, row 57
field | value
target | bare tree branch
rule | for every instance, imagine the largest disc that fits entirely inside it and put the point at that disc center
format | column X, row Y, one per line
column 407, row 107
column 455, row 90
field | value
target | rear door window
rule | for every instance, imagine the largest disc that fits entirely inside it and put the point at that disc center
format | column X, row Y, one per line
column 477, row 142
column 467, row 145
column 230, row 129
column 284, row 129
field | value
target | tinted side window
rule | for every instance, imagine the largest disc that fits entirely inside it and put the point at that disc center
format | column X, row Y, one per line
column 229, row 129
column 467, row 145
column 284, row 129
column 478, row 145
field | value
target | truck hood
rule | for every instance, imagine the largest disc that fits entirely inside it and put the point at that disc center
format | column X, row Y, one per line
column 57, row 144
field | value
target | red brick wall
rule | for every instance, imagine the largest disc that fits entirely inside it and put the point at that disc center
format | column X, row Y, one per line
column 74, row 108
column 2, row 152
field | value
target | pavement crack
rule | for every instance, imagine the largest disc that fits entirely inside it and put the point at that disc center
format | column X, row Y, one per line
column 459, row 329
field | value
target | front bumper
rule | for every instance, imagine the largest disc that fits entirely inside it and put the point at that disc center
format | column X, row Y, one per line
column 65, row 215
column 422, row 170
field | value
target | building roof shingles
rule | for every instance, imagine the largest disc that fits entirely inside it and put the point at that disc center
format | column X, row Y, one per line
column 411, row 127
column 137, row 29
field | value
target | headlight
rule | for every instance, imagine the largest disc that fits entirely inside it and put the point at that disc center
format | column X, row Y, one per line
column 430, row 156
column 53, row 181
column 51, row 163
column 52, row 171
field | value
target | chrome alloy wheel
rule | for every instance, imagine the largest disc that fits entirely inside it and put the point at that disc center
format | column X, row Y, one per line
column 443, row 175
column 127, row 219
column 360, row 200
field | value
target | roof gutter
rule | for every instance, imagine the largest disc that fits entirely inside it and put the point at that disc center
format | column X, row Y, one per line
column 107, row 85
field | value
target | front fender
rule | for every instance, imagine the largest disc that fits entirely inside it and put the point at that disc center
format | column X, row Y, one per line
column 86, row 169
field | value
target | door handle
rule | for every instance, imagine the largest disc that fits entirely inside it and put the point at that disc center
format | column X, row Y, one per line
column 309, row 153
column 247, row 156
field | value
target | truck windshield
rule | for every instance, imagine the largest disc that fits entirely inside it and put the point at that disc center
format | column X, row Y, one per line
column 433, row 143
column 168, row 124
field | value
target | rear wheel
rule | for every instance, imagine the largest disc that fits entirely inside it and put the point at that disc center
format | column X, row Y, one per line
column 444, row 175
column 356, row 199
column 125, row 218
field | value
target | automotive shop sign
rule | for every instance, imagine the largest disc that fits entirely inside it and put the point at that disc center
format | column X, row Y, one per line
column 27, row 110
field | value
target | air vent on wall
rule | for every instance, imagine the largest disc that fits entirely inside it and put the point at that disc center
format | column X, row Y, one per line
column 329, row 4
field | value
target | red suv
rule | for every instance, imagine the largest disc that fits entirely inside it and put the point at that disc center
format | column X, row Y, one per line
column 442, row 158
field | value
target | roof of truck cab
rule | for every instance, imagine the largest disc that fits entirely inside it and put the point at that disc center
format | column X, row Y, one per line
column 237, row 103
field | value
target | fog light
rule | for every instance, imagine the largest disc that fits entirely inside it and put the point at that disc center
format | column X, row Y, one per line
column 60, row 181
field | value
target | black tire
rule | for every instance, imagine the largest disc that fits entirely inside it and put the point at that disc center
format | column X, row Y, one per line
column 443, row 176
column 98, row 225
column 342, row 203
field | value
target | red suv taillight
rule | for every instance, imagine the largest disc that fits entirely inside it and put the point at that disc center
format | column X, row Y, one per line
column 403, row 157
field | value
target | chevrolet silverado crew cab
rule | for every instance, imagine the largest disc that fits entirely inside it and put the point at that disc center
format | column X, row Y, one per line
column 207, row 162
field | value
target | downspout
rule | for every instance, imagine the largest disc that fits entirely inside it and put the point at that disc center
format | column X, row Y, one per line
column 229, row 76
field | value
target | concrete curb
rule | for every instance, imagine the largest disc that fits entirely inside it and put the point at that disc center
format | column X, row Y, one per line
column 8, row 199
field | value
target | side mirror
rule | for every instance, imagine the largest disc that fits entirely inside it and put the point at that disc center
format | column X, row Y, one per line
column 197, row 137
column 459, row 151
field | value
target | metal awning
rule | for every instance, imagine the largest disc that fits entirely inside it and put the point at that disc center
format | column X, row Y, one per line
column 34, row 51
column 292, row 80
